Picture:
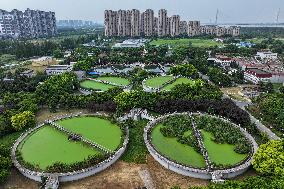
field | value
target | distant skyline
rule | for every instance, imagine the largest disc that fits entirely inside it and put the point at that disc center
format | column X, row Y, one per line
column 230, row 11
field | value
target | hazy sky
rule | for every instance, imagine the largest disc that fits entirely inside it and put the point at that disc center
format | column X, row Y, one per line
column 204, row 10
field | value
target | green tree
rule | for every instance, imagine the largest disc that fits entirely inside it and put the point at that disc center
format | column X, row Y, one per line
column 5, row 163
column 82, row 65
column 220, row 78
column 23, row 120
column 269, row 158
column 58, row 53
column 186, row 70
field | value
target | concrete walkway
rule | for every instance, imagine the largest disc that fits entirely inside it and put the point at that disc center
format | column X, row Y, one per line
column 146, row 177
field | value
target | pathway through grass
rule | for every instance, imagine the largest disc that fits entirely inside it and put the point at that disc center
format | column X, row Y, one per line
column 116, row 80
column 181, row 80
column 156, row 82
column 89, row 84
column 96, row 129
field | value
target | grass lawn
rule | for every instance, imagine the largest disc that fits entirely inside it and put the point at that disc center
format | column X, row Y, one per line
column 88, row 84
column 156, row 82
column 48, row 146
column 276, row 86
column 221, row 153
column 96, row 129
column 176, row 82
column 174, row 150
column 256, row 40
column 116, row 80
column 186, row 42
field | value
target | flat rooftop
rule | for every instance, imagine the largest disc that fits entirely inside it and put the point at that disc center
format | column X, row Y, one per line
column 257, row 71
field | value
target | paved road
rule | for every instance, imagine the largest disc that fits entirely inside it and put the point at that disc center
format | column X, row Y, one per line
column 258, row 124
column 242, row 105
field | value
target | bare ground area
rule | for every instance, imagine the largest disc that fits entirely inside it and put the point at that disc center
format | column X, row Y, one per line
column 45, row 114
column 121, row 175
column 164, row 179
column 17, row 181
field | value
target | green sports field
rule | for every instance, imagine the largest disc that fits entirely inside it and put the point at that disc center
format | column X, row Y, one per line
column 174, row 150
column 89, row 84
column 221, row 153
column 186, row 42
column 116, row 80
column 48, row 146
column 96, row 129
column 156, row 82
column 178, row 81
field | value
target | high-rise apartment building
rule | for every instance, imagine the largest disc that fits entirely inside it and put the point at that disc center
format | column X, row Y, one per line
column 121, row 23
column 132, row 23
column 156, row 25
column 28, row 24
column 175, row 25
column 162, row 23
column 183, row 27
column 168, row 31
column 193, row 28
column 149, row 22
column 111, row 23
column 135, row 23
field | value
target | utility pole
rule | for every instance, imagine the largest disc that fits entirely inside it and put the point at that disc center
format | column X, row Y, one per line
column 277, row 17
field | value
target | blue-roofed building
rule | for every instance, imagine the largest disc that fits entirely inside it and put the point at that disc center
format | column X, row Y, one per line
column 245, row 44
column 93, row 73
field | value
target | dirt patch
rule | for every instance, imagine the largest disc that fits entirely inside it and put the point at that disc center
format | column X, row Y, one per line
column 164, row 179
column 17, row 181
column 45, row 114
column 119, row 176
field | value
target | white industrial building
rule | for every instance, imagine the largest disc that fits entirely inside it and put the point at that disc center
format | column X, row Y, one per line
column 58, row 69
column 267, row 55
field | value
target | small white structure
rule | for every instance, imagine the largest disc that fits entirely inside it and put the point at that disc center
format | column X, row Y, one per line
column 221, row 60
column 266, row 55
column 28, row 73
column 58, row 69
column 131, row 43
column 67, row 54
